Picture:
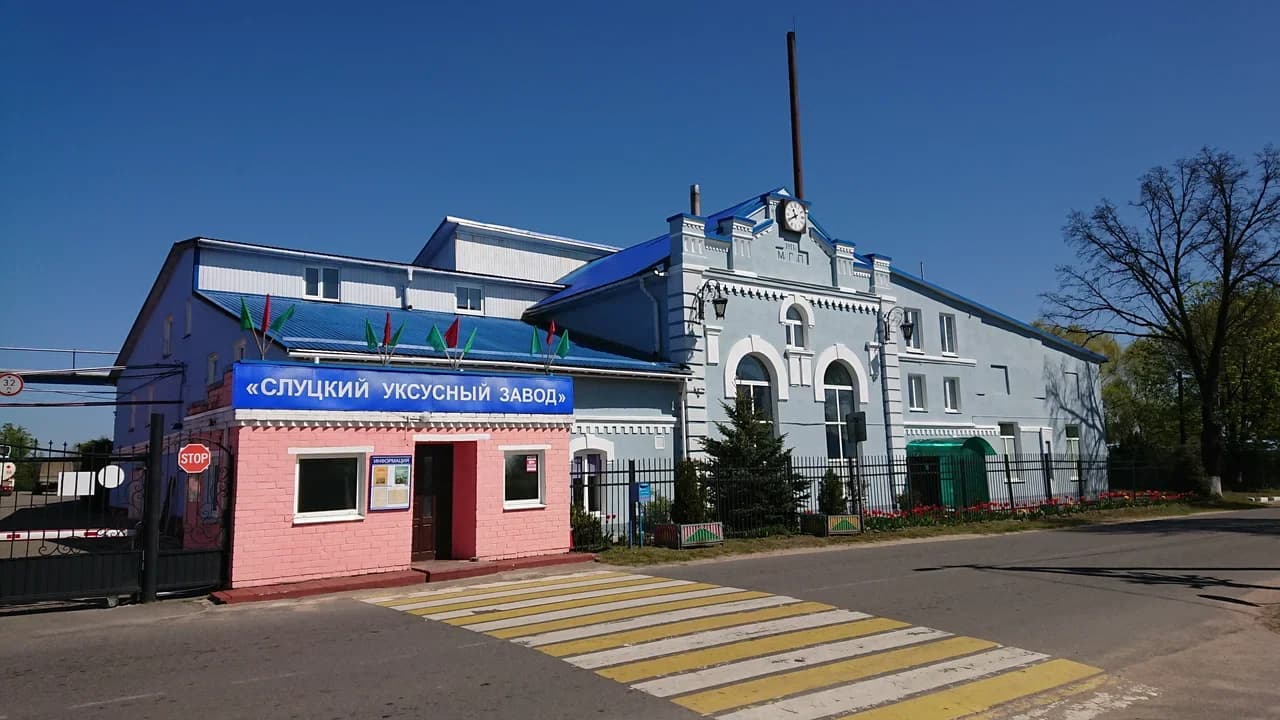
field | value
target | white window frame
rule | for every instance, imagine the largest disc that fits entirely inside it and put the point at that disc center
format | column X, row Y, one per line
column 322, row 286
column 947, row 333
column 167, row 348
column 739, row 383
column 211, row 369
column 847, row 444
column 1009, row 448
column 529, row 504
column 951, row 394
column 464, row 307
column 916, row 318
column 237, row 350
column 358, row 453
column 1073, row 451
column 917, row 402
column 188, row 320
column 588, row 480
column 795, row 328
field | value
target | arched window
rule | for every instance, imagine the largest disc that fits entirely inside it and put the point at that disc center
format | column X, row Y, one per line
column 794, row 323
column 752, row 381
column 586, row 479
column 842, row 399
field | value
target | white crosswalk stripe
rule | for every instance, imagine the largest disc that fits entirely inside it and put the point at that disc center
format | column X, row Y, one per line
column 747, row 669
column 738, row 654
column 606, row 628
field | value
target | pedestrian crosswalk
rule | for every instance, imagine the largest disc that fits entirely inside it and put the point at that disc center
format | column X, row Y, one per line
column 741, row 654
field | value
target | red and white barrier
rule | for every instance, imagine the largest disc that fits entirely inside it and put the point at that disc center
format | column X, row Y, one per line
column 64, row 534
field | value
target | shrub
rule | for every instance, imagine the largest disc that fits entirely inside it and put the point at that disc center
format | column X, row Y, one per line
column 831, row 495
column 690, row 505
column 658, row 511
column 588, row 535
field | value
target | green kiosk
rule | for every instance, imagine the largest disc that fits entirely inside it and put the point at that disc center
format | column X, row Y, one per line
column 951, row 472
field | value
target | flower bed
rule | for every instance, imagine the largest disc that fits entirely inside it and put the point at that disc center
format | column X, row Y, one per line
column 927, row 515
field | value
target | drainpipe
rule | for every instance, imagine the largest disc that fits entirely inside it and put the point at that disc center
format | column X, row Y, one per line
column 684, row 419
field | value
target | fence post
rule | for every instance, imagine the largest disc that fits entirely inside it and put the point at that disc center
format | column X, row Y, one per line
column 1047, row 471
column 633, row 501
column 1008, row 479
column 1079, row 478
column 151, row 509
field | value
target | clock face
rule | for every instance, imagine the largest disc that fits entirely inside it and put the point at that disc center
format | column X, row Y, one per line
column 794, row 216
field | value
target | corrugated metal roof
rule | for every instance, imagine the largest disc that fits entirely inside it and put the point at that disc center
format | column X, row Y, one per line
column 339, row 327
column 612, row 268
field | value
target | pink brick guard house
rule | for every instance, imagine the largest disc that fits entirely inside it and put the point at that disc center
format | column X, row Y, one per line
column 345, row 471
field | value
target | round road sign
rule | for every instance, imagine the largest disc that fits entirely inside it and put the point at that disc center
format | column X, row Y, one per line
column 10, row 384
column 194, row 458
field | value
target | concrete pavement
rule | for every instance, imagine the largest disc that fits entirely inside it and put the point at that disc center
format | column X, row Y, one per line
column 1167, row 610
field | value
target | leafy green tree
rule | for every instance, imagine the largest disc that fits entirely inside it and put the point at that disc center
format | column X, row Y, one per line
column 753, row 486
column 20, row 444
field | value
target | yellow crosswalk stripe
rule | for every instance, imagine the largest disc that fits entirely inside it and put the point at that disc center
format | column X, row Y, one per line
column 705, row 657
column 580, row 603
column 980, row 695
column 791, row 683
column 485, row 589
column 623, row 614
column 684, row 627
column 464, row 604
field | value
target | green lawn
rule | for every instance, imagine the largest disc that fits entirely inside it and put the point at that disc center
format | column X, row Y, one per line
column 657, row 555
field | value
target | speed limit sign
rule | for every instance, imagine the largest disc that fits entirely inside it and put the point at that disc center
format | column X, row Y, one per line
column 10, row 384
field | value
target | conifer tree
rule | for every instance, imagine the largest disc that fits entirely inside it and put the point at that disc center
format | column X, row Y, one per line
column 752, row 484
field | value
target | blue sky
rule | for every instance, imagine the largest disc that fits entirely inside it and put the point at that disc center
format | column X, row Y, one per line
column 957, row 134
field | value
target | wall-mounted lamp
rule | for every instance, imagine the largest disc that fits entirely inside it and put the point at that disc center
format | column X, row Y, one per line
column 899, row 316
column 719, row 301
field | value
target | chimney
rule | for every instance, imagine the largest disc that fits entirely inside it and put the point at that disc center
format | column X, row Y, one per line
column 797, row 166
column 695, row 201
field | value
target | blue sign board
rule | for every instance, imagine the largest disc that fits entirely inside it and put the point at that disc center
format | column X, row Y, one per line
column 646, row 492
column 270, row 386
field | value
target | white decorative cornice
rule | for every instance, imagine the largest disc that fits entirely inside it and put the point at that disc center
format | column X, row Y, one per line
column 915, row 357
column 918, row 429
column 774, row 294
column 331, row 419
column 621, row 428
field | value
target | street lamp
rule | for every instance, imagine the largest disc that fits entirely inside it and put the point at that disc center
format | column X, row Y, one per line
column 904, row 324
column 719, row 301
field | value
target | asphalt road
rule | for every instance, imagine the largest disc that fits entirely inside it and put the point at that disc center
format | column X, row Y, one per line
column 1168, row 607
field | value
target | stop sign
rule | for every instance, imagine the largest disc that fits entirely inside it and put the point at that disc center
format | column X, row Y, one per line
column 194, row 458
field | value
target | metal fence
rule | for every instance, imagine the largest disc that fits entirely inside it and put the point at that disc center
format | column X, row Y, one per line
column 620, row 502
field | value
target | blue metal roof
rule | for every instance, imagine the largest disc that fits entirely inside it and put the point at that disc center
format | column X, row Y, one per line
column 612, row 268
column 339, row 327
column 1044, row 335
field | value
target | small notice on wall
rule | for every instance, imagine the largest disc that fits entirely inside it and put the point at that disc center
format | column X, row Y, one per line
column 531, row 463
column 389, row 482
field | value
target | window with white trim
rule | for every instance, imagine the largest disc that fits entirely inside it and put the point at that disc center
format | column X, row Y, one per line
column 523, row 479
column 168, row 335
column 470, row 299
column 211, row 369
column 1073, row 451
column 915, row 393
column 951, row 394
column 188, row 325
column 587, row 479
column 841, row 399
column 322, row 283
column 794, row 324
column 1009, row 448
column 329, row 487
column 947, row 327
column 237, row 350
column 916, row 318
column 752, row 381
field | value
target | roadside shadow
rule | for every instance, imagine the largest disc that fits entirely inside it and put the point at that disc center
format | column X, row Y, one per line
column 1193, row 578
column 1175, row 526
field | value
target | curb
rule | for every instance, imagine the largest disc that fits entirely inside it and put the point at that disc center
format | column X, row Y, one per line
column 399, row 578
column 289, row 591
column 497, row 566
column 1269, row 499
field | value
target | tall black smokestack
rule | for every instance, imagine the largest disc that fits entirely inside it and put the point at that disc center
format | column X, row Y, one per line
column 797, row 165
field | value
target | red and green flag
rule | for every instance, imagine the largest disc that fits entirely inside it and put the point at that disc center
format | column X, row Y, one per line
column 449, row 341
column 387, row 346
column 260, row 330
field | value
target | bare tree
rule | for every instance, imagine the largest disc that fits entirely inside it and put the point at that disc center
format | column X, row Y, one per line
column 1205, row 230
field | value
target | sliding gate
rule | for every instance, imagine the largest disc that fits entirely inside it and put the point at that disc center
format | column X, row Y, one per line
column 73, row 521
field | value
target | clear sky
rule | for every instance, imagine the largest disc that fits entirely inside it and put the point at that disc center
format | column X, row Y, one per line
column 954, row 134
